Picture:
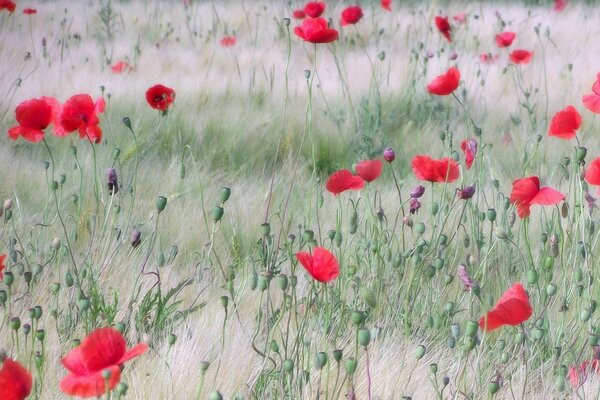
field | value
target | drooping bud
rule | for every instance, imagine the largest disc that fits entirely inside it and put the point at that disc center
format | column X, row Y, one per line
column 417, row 192
column 415, row 205
column 465, row 193
column 136, row 237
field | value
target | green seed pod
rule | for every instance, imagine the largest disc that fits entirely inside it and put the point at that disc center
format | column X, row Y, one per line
column 274, row 347
column 472, row 328
column 549, row 263
column 470, row 342
column 364, row 337
column 433, row 368
column 451, row 342
column 369, row 297
column 225, row 301
column 357, row 317
column 443, row 239
column 282, row 282
column 435, row 207
column 493, row 387
column 537, row 334
column 215, row 395
column 490, row 214
column 204, row 366
column 263, row 283
column 593, row 340
column 253, row 281
column 581, row 153
column 68, row 279
column 351, row 365
column 171, row 339
column 420, row 351
column 293, row 281
column 450, row 307
column 560, row 383
column 337, row 355
column 455, row 330
column 551, row 289
column 353, row 222
column 161, row 203
column 430, row 271
column 438, row 263
column 224, row 194
column 466, row 241
column 331, row 234
column 217, row 213
column 578, row 274
column 14, row 323
column 9, row 278
column 288, row 365
column 84, row 304
column 532, row 277
column 419, row 228
column 265, row 229
column 544, row 237
column 448, row 278
column 320, row 360
column 585, row 315
column 308, row 236
column 27, row 276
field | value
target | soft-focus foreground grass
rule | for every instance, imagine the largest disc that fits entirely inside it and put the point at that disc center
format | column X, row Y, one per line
column 223, row 130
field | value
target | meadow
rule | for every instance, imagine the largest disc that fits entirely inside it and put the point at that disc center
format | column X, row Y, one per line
column 391, row 202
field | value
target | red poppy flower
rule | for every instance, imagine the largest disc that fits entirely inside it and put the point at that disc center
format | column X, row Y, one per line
column 33, row 117
column 565, row 123
column 2, row 266
column 7, row 5
column 30, row 11
column 505, row 39
column 343, row 180
column 315, row 30
column 314, row 9
column 469, row 147
column 160, row 97
column 444, row 27
column 513, row 308
column 592, row 101
column 578, row 375
column 520, row 56
column 427, row 169
column 298, row 14
column 103, row 349
column 321, row 265
column 369, row 170
column 445, row 84
column 120, row 67
column 80, row 113
column 527, row 191
column 228, row 41
column 351, row 15
column 15, row 381
column 559, row 5
column 386, row 5
column 592, row 173
column 460, row 18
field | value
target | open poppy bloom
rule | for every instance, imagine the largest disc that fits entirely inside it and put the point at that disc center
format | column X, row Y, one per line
column 228, row 41
column 469, row 147
column 369, row 170
column 33, row 117
column 314, row 9
column 565, row 123
column 559, row 5
column 343, row 180
column 80, row 113
column 2, row 266
column 160, row 97
column 15, row 381
column 386, row 5
column 578, row 375
column 103, row 349
column 505, row 39
column 120, row 67
column 298, row 14
column 7, row 5
column 592, row 101
column 513, row 308
column 29, row 11
column 444, row 85
column 444, row 27
column 351, row 15
column 527, row 191
column 426, row 168
column 315, row 30
column 592, row 173
column 520, row 56
column 321, row 265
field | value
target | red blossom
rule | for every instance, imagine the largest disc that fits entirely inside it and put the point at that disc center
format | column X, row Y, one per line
column 369, row 170
column 15, row 381
column 513, row 308
column 343, row 180
column 559, row 5
column 314, row 9
column 321, row 265
column 120, row 67
column 7, row 5
column 315, row 30
column 527, row 192
column 80, row 113
column 104, row 349
column 299, row 14
column 30, row 11
column 520, row 56
column 460, row 18
column 34, row 116
column 444, row 27
column 386, row 5
column 160, row 97
column 428, row 169
column 469, row 147
column 592, row 173
column 228, row 41
column 444, row 85
column 564, row 123
column 351, row 15
column 2, row 266
column 592, row 101
column 505, row 39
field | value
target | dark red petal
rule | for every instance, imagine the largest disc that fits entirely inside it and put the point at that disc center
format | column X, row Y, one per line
column 91, row 385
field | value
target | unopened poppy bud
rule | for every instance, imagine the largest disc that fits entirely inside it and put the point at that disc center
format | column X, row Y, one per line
column 274, row 347
column 224, row 194
column 8, row 203
column 306, row 73
column 353, row 222
column 445, row 380
column 171, row 339
column 435, row 208
column 585, row 315
column 417, row 192
column 465, row 193
column 9, row 278
column 265, row 229
column 84, row 304
column 364, row 337
column 204, row 366
column 161, row 203
column 288, row 365
column 493, row 387
column 451, row 342
column 419, row 228
column 351, row 366
column 27, row 276
column 389, row 154
column 406, row 220
column 15, row 323
column 581, row 153
column 490, row 214
column 500, row 233
column 551, row 289
column 472, row 327
column 121, row 389
column 286, row 21
column 224, row 301
column 320, row 360
column 337, row 355
column 113, row 184
column 338, row 239
column 263, row 283
column 136, row 237
column 282, row 282
column 415, row 205
column 455, row 330
column 215, row 395
column 357, row 317
column 532, row 277
column 26, row 329
column 381, row 55
column 56, row 243
column 420, row 351
column 308, row 236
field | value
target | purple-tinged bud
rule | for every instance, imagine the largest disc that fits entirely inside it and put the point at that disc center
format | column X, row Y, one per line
column 429, row 54
column 417, row 192
column 113, row 184
column 464, row 276
column 453, row 56
column 406, row 220
column 466, row 192
column 414, row 205
column 389, row 155
column 136, row 237
column 591, row 201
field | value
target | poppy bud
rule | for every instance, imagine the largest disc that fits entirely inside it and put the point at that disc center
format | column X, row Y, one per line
column 465, row 193
column 171, row 339
column 500, row 233
column 389, row 155
column 338, row 238
column 288, row 365
column 351, row 365
column 451, row 342
column 581, row 153
column 121, row 389
column 420, row 228
column 472, row 327
column 3, row 297
column 415, row 205
column 15, row 323
column 353, row 222
column 224, row 301
column 585, row 315
column 306, row 73
column 364, row 337
column 490, row 214
column 265, row 229
column 9, row 278
column 381, row 55
column 224, row 194
column 417, row 192
column 215, row 395
column 274, row 347
column 217, row 213
column 161, row 203
column 532, row 277
column 435, row 208
column 113, row 185
column 337, row 355
column 455, row 330
column 320, row 360
column 369, row 297
column 27, row 276
column 127, row 122
column 282, row 282
column 263, row 283
column 26, row 329
column 420, row 351
column 293, row 281
column 551, row 289
column 84, row 304
column 308, row 236
column 204, row 366
column 8, row 203
column 493, row 387
column 136, row 237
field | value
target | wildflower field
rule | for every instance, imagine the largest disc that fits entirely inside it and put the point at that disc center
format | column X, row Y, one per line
column 299, row 200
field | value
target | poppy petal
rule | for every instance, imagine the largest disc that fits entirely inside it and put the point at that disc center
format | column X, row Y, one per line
column 565, row 123
column 369, row 170
column 547, row 197
column 592, row 102
column 133, row 352
column 592, row 174
column 445, row 84
column 102, row 348
column 91, row 385
column 513, row 308
column 15, row 381
column 343, row 180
